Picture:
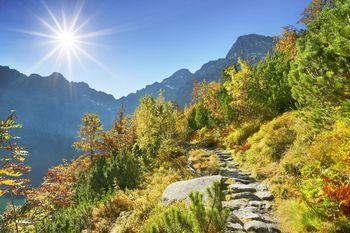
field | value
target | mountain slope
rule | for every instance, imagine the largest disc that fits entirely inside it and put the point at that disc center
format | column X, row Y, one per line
column 50, row 109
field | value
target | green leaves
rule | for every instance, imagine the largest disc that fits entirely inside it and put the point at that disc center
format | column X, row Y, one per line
column 199, row 218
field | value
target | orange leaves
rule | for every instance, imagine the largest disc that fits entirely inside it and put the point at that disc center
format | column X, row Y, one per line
column 57, row 188
column 286, row 43
column 339, row 193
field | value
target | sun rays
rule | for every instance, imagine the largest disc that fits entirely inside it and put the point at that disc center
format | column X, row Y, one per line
column 67, row 39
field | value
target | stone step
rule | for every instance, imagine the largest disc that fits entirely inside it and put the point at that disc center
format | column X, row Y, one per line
column 261, row 227
column 245, row 195
column 265, row 195
column 235, row 204
column 239, row 188
column 243, row 181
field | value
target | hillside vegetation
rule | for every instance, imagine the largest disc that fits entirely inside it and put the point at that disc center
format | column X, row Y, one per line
column 285, row 119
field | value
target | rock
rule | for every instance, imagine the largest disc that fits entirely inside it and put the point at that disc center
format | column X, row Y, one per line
column 234, row 219
column 234, row 226
column 235, row 204
column 264, row 195
column 245, row 195
column 260, row 227
column 246, row 215
column 180, row 190
column 259, row 204
column 244, row 181
column 239, row 188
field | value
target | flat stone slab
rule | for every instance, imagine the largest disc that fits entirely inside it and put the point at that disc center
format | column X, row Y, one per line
column 234, row 226
column 235, row 204
column 245, row 195
column 260, row 227
column 238, row 188
column 244, row 181
column 265, row 195
column 180, row 190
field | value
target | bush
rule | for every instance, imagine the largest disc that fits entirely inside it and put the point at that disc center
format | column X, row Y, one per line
column 239, row 136
column 146, row 201
column 105, row 214
column 206, row 137
column 273, row 139
column 199, row 218
column 204, row 162
column 122, row 169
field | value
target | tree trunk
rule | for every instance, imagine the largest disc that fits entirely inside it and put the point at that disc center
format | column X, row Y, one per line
column 14, row 211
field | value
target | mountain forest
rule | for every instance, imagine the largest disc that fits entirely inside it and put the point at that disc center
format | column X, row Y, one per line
column 265, row 147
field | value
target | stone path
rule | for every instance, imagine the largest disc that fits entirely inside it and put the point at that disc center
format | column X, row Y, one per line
column 250, row 201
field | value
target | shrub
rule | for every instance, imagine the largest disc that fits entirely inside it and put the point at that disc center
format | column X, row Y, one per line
column 104, row 214
column 239, row 136
column 198, row 218
column 206, row 137
column 273, row 139
column 146, row 201
column 204, row 162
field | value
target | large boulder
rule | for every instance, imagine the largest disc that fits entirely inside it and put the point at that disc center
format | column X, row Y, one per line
column 180, row 190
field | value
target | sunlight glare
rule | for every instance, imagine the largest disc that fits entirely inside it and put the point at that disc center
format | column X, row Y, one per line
column 66, row 39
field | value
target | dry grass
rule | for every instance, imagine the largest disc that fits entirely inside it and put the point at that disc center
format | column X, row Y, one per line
column 204, row 162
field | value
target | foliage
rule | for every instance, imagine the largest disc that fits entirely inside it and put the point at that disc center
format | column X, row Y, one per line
column 155, row 122
column 206, row 137
column 203, row 161
column 146, row 201
column 328, row 166
column 12, row 167
column 104, row 214
column 313, row 9
column 90, row 133
column 319, row 74
column 121, row 136
column 240, row 85
column 274, row 96
column 196, row 219
column 122, row 169
column 12, row 158
column 238, row 137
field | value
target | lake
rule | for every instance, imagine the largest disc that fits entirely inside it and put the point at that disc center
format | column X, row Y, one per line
column 5, row 200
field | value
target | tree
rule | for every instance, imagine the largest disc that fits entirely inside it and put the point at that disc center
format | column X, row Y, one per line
column 90, row 135
column 155, row 122
column 274, row 91
column 314, row 8
column 240, row 85
column 120, row 136
column 12, row 167
column 320, row 75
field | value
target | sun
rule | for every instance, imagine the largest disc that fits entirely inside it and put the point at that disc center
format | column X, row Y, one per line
column 68, row 40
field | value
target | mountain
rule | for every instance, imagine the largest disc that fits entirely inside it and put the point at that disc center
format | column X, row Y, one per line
column 178, row 87
column 50, row 108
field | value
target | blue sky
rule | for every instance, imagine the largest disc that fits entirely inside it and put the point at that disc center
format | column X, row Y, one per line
column 150, row 39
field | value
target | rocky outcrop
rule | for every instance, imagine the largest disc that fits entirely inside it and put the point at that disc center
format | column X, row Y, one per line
column 180, row 190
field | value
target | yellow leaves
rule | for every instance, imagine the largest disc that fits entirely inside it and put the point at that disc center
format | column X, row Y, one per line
column 10, row 182
column 8, row 172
